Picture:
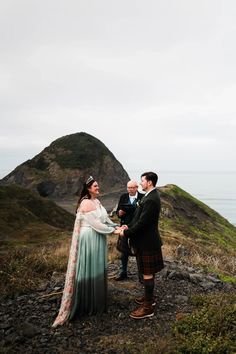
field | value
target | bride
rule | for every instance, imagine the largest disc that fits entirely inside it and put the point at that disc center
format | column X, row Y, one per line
column 85, row 290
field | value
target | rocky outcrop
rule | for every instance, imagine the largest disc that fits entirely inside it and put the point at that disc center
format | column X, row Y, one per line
column 61, row 168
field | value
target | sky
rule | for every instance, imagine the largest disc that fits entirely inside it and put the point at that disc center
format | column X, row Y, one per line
column 155, row 80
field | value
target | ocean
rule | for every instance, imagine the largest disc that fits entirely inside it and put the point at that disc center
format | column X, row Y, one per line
column 216, row 189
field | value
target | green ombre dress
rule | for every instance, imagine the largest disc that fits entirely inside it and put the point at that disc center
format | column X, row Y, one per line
column 90, row 288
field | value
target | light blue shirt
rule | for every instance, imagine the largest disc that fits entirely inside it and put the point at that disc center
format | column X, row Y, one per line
column 133, row 197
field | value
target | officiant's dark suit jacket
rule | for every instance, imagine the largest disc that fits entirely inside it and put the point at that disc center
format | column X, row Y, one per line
column 129, row 209
column 143, row 230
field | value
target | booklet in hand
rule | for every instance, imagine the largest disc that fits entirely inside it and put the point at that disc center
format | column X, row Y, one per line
column 127, row 207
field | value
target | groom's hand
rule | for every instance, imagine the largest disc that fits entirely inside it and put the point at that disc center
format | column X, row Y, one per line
column 124, row 227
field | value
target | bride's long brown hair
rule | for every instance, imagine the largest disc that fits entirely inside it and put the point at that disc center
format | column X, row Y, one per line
column 85, row 192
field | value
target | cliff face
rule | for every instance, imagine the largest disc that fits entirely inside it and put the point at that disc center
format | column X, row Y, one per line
column 61, row 168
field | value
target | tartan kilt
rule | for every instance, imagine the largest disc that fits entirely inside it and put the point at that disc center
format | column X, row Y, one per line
column 150, row 262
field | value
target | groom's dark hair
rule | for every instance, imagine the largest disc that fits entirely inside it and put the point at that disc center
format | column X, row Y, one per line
column 151, row 176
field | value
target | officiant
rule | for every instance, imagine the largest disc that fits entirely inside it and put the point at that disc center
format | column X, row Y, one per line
column 125, row 211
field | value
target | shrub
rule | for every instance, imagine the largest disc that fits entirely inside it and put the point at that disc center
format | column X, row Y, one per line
column 210, row 329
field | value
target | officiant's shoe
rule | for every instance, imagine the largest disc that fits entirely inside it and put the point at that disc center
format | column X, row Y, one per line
column 121, row 277
column 144, row 311
column 140, row 301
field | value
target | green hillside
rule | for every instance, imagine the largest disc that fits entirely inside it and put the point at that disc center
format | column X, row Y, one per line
column 185, row 219
column 26, row 217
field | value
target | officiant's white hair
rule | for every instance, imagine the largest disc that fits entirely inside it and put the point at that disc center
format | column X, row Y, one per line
column 132, row 183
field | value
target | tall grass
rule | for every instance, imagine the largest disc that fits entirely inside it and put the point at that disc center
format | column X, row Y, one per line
column 24, row 269
column 212, row 259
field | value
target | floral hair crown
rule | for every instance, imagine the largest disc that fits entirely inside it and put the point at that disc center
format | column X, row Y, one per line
column 89, row 180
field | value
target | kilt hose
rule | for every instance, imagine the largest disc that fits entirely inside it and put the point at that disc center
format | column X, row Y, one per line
column 150, row 262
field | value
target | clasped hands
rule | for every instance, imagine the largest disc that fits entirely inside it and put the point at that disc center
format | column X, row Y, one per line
column 120, row 230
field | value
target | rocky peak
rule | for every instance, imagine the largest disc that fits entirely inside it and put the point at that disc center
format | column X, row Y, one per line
column 61, row 168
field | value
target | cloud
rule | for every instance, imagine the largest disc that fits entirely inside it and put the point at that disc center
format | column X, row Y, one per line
column 155, row 82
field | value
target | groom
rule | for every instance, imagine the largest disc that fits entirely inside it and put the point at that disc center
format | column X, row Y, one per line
column 145, row 240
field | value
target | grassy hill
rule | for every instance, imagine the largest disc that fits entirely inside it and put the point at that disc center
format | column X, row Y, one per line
column 27, row 218
column 196, row 234
column 188, row 220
